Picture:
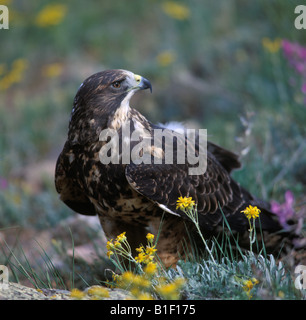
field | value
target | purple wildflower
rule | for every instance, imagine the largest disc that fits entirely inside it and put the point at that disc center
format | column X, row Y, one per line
column 296, row 56
column 284, row 211
column 3, row 184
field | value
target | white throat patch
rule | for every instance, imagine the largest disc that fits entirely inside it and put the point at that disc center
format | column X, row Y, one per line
column 121, row 113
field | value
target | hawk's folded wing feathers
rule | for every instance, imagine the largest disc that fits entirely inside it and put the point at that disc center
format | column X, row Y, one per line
column 164, row 183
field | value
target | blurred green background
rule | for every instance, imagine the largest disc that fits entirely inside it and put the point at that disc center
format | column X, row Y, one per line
column 218, row 65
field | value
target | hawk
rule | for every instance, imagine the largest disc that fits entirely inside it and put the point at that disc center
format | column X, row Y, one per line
column 140, row 197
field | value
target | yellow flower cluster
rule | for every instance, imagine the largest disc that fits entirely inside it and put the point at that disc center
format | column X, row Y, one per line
column 165, row 58
column 251, row 212
column 149, row 283
column 93, row 293
column 146, row 255
column 6, row 2
column 271, row 46
column 77, row 294
column 185, row 203
column 138, row 285
column 97, row 292
column 51, row 15
column 248, row 286
column 171, row 291
column 52, row 70
column 176, row 10
column 120, row 246
column 15, row 75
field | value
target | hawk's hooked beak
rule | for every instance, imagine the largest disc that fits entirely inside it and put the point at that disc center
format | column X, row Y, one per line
column 142, row 83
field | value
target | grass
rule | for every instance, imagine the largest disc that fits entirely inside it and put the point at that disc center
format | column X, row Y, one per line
column 208, row 281
column 218, row 64
column 236, row 275
column 47, row 276
column 219, row 273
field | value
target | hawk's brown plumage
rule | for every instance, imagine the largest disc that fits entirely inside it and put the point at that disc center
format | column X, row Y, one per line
column 133, row 197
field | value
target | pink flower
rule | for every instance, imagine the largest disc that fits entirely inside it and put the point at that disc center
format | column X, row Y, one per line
column 3, row 184
column 300, row 67
column 287, row 47
column 284, row 211
column 302, row 53
column 296, row 56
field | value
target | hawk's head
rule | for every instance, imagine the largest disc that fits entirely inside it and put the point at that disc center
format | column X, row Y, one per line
column 99, row 98
column 109, row 88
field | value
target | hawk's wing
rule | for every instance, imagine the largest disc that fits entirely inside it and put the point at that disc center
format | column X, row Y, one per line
column 67, row 182
column 165, row 183
column 226, row 158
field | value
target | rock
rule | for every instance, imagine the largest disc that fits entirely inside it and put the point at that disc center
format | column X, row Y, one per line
column 16, row 291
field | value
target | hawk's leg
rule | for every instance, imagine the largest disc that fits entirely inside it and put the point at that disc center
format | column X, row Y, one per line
column 173, row 240
column 136, row 235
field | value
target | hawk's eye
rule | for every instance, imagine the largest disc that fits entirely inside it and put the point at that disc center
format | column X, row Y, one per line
column 116, row 84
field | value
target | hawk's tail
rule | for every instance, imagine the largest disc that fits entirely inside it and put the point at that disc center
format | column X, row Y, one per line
column 277, row 237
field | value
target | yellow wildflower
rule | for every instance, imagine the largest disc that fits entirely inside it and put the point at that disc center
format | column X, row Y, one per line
column 251, row 212
column 2, row 68
column 121, row 237
column 77, row 294
column 165, row 58
column 144, row 296
column 145, row 255
column 117, row 244
column 110, row 245
column 150, row 237
column 141, row 282
column 15, row 75
column 176, row 10
column 248, row 286
column 6, row 2
column 141, row 257
column 150, row 250
column 127, row 276
column 51, row 15
column 109, row 253
column 52, row 70
column 98, row 292
column 150, row 268
column 184, row 203
column 171, row 291
column 271, row 46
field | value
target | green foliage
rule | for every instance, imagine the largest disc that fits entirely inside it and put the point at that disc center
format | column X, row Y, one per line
column 208, row 281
